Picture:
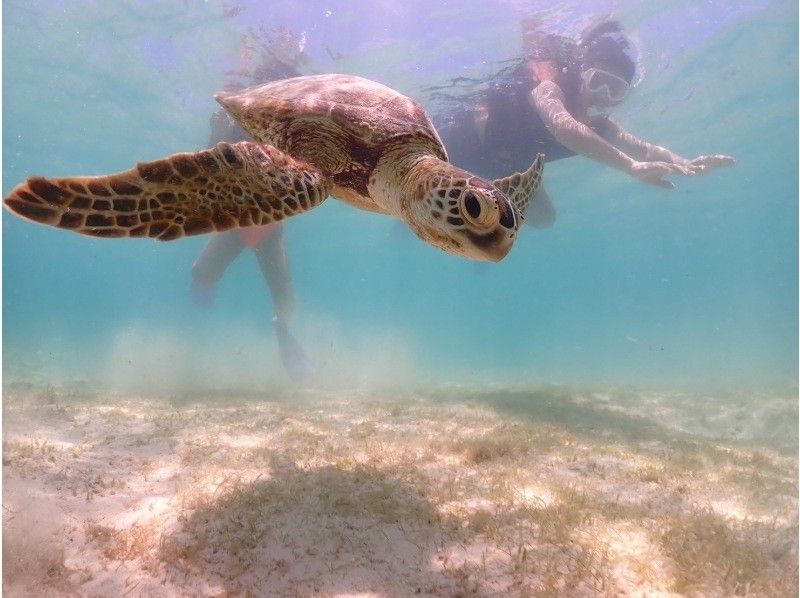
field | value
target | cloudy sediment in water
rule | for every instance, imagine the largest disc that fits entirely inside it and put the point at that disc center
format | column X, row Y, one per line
column 607, row 408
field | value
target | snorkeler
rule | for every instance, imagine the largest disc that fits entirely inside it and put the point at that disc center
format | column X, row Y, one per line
column 555, row 102
column 279, row 58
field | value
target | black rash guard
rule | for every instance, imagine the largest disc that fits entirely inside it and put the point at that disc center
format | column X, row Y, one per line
column 515, row 132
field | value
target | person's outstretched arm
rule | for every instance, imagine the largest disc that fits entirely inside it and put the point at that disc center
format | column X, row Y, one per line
column 548, row 100
column 613, row 132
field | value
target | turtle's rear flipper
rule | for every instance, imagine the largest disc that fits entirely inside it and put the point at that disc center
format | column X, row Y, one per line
column 521, row 187
column 227, row 186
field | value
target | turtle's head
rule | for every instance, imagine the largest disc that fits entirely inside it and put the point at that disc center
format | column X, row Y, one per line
column 465, row 215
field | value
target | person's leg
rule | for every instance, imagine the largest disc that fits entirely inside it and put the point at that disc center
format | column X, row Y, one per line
column 542, row 212
column 209, row 267
column 271, row 255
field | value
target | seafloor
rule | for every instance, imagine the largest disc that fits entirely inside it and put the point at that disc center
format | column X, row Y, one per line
column 454, row 492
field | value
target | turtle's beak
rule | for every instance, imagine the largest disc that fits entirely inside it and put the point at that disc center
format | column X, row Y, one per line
column 492, row 246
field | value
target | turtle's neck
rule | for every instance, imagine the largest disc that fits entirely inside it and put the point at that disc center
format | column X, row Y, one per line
column 402, row 175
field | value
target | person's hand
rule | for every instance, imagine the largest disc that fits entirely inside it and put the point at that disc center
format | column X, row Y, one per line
column 704, row 164
column 653, row 173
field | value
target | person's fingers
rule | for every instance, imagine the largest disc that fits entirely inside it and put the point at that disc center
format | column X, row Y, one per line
column 664, row 184
column 706, row 163
column 653, row 173
column 722, row 161
column 672, row 168
column 696, row 169
column 656, row 169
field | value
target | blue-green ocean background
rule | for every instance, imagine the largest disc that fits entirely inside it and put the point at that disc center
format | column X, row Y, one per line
column 694, row 289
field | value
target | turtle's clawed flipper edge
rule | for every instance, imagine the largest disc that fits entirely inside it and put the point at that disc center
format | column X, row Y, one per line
column 227, row 186
column 521, row 187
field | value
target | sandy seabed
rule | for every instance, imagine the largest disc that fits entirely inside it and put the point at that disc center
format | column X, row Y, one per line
column 453, row 492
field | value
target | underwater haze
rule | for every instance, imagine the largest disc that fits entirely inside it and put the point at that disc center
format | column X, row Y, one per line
column 694, row 289
column 608, row 406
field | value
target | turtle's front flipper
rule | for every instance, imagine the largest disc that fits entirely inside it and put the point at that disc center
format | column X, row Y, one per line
column 521, row 187
column 227, row 186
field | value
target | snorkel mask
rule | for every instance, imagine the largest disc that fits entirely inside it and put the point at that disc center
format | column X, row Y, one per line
column 601, row 82
column 609, row 62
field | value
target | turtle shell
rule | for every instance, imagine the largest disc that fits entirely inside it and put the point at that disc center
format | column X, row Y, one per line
column 340, row 123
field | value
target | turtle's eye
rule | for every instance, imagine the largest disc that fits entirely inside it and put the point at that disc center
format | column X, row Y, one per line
column 479, row 210
column 472, row 205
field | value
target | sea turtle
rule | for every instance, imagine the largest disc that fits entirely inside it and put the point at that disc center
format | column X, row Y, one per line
column 340, row 135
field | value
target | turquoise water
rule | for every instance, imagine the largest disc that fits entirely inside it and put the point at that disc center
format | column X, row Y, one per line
column 694, row 289
column 610, row 410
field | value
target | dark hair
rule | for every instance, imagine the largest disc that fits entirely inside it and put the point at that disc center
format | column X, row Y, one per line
column 607, row 47
column 273, row 70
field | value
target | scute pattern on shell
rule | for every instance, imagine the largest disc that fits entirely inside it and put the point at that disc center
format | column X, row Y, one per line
column 340, row 123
